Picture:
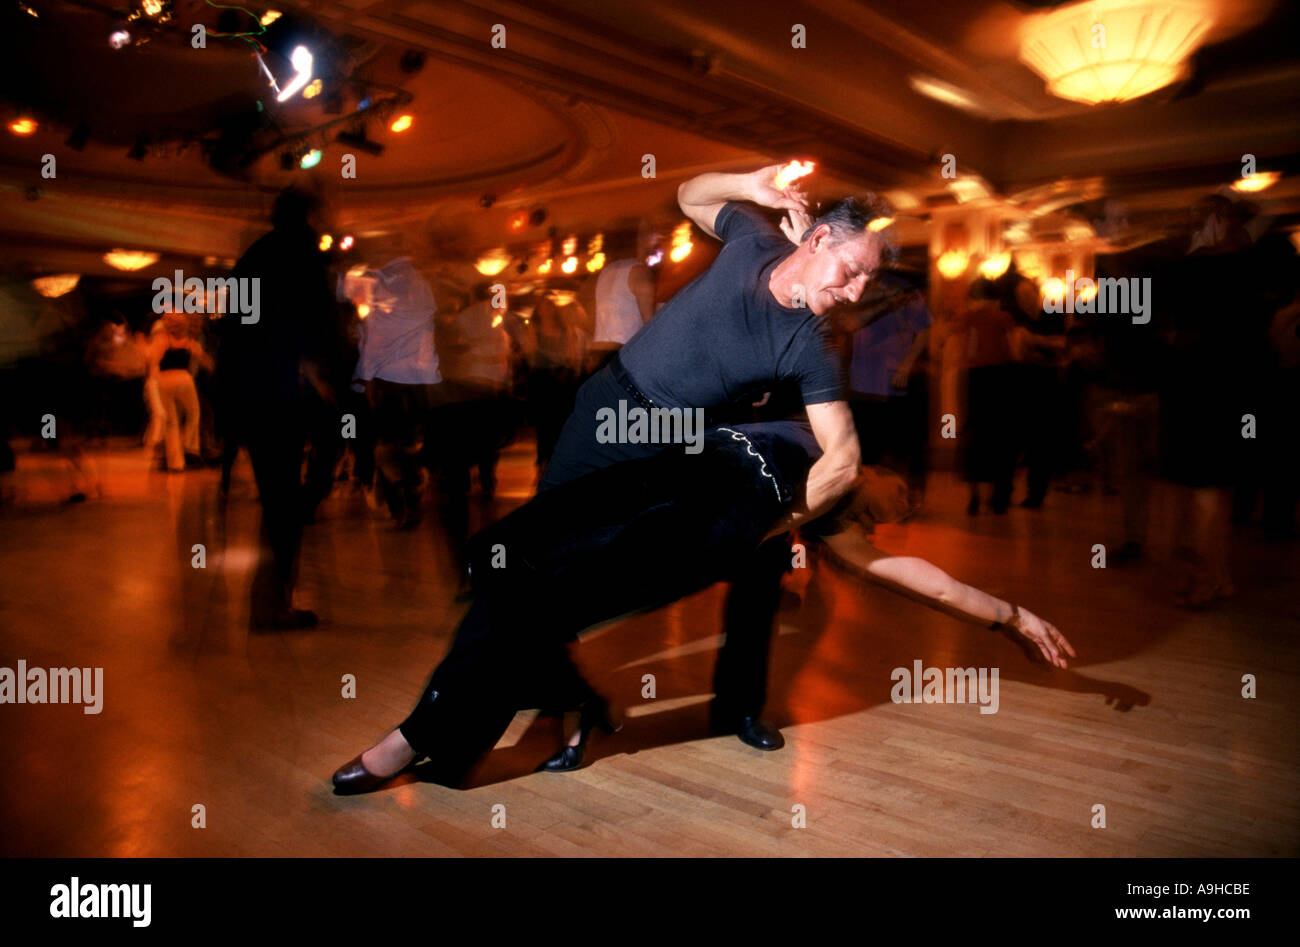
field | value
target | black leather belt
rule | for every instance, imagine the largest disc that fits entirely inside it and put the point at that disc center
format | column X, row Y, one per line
column 625, row 380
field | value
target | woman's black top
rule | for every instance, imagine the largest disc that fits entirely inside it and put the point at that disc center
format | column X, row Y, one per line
column 175, row 358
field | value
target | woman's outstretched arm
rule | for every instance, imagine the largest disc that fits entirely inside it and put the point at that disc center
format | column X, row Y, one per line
column 929, row 584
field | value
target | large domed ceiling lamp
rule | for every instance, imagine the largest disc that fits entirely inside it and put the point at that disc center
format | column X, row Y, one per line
column 1114, row 50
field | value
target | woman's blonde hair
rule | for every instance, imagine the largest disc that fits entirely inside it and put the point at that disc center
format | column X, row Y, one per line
column 878, row 496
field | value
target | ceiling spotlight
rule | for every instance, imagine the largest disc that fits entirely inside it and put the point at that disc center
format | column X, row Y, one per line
column 401, row 123
column 537, row 217
column 119, row 38
column 269, row 17
column 346, row 242
column 301, row 60
column 518, row 220
column 310, row 159
column 570, row 265
column 312, row 89
column 22, row 127
column 326, row 241
column 359, row 140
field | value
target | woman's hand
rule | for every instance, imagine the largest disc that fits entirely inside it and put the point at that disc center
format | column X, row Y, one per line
column 1031, row 632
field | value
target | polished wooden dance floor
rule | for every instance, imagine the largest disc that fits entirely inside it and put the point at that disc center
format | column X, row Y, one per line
column 1149, row 723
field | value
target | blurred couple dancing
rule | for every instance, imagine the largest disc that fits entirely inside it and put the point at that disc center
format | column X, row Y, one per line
column 618, row 528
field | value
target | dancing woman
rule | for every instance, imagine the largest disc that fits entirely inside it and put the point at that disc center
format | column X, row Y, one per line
column 630, row 537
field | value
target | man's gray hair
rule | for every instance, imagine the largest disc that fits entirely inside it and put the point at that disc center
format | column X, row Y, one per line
column 850, row 217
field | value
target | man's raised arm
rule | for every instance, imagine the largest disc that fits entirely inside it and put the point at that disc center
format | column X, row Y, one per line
column 702, row 196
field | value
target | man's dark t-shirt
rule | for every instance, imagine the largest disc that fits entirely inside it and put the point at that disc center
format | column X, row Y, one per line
column 258, row 362
column 724, row 337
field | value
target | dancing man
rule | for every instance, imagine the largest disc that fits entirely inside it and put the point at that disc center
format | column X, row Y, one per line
column 751, row 323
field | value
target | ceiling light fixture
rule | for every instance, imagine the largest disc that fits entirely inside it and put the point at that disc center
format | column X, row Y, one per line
column 130, row 260
column 953, row 264
column 1256, row 182
column 995, row 265
column 943, row 92
column 1114, row 50
column 52, row 287
column 492, row 262
column 301, row 60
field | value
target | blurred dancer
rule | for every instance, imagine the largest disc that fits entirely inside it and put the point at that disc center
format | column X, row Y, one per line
column 115, row 365
column 478, row 372
column 983, row 330
column 399, row 366
column 1202, row 399
column 177, row 355
column 625, row 300
column 553, row 377
column 265, row 368
column 1038, row 412
column 885, row 402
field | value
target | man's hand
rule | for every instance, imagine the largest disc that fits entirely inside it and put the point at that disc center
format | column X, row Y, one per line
column 1032, row 632
column 765, row 193
column 703, row 196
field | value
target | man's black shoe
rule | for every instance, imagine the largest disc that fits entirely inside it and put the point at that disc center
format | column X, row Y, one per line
column 760, row 735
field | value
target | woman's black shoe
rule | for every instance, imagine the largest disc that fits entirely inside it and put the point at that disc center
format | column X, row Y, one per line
column 592, row 714
column 352, row 778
